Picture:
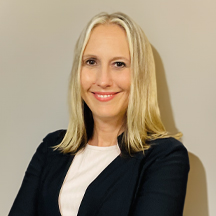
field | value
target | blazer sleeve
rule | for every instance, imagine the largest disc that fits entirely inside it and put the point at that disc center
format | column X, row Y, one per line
column 163, row 186
column 25, row 203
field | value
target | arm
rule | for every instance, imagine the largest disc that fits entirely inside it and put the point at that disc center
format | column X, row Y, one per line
column 163, row 187
column 25, row 203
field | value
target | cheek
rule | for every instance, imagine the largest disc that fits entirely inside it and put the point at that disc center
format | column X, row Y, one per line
column 127, row 84
column 125, row 81
column 86, row 79
column 128, row 80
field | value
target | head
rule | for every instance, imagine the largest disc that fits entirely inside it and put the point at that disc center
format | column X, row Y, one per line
column 105, row 75
column 142, row 113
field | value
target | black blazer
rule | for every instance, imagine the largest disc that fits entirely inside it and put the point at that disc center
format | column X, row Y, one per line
column 150, row 184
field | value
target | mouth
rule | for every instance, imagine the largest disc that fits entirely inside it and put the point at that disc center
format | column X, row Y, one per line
column 104, row 96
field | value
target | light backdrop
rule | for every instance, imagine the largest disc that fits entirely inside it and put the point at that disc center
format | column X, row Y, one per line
column 37, row 39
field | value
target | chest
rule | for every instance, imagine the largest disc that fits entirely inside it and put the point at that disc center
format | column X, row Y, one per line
column 111, row 193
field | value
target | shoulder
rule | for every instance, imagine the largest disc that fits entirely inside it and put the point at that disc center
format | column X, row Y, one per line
column 165, row 146
column 50, row 140
column 166, row 149
column 163, row 174
column 54, row 138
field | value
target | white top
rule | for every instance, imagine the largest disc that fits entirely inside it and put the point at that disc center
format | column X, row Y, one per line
column 85, row 167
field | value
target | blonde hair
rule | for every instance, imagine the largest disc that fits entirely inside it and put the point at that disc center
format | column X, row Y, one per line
column 143, row 115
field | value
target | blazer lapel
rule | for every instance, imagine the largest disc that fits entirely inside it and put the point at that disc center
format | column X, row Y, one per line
column 106, row 185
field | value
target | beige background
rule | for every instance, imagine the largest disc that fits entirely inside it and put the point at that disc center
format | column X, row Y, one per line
column 36, row 49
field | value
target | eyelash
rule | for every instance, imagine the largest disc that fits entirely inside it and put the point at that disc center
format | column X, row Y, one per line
column 116, row 64
column 120, row 66
column 90, row 60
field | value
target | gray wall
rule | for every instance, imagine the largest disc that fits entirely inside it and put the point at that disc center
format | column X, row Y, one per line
column 36, row 49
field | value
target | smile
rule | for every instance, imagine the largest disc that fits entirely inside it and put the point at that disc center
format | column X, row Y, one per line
column 104, row 96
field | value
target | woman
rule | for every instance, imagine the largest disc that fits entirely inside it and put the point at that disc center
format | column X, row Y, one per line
column 116, row 157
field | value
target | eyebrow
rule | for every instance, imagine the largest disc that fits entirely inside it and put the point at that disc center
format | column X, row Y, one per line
column 115, row 58
column 120, row 57
column 89, row 55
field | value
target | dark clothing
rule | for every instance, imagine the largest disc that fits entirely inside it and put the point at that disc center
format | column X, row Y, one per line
column 149, row 184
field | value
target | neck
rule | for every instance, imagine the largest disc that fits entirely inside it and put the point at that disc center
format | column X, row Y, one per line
column 105, row 132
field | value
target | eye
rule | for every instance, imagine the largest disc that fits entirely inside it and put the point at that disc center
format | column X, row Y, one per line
column 91, row 62
column 120, row 64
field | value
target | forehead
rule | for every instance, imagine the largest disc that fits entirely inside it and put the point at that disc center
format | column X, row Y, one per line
column 107, row 36
column 108, row 27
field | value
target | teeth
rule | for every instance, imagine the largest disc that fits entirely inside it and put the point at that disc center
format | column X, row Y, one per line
column 104, row 96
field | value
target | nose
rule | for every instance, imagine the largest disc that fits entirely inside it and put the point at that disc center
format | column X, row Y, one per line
column 104, row 77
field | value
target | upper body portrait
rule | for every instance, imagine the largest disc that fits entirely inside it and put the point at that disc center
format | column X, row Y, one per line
column 115, row 158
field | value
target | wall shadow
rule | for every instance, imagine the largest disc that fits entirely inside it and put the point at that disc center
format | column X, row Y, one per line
column 163, row 95
column 196, row 202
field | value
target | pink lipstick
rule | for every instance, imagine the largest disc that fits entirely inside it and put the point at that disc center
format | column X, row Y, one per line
column 104, row 96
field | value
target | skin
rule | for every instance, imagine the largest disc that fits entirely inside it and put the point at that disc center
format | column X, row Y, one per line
column 105, row 82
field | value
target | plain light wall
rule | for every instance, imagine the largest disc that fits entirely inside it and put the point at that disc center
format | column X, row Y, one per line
column 37, row 39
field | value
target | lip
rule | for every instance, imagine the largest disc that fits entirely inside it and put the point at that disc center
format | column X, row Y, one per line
column 104, row 96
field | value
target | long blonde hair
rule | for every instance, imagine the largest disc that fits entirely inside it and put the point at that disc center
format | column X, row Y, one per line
column 143, row 115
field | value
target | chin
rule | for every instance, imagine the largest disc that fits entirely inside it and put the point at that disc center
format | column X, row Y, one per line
column 107, row 115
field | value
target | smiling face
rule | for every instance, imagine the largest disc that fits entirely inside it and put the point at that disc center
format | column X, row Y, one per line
column 105, row 72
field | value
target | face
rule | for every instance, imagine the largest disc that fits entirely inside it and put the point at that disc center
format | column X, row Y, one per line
column 105, row 72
